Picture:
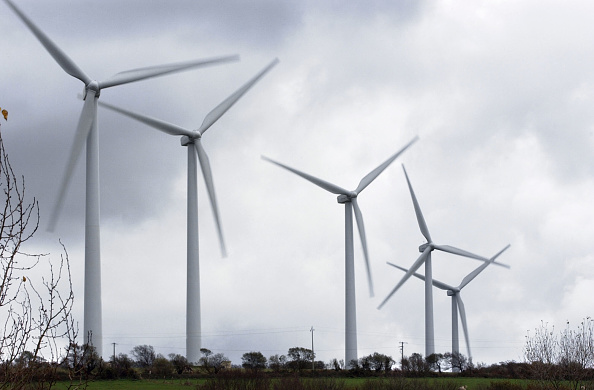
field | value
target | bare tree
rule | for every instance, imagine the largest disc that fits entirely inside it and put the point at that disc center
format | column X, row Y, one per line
column 36, row 311
column 144, row 355
column 557, row 357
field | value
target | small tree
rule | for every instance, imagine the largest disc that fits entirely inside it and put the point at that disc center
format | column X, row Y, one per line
column 417, row 365
column 380, row 362
column 435, row 361
column 204, row 360
column 219, row 361
column 162, row 368
column 457, row 361
column 180, row 363
column 276, row 362
column 253, row 361
column 567, row 356
column 300, row 357
column 144, row 355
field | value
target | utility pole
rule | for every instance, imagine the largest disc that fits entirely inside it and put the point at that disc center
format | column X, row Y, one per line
column 402, row 351
column 313, row 355
column 114, row 360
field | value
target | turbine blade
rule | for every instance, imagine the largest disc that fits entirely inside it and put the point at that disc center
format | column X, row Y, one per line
column 462, row 312
column 459, row 252
column 207, row 173
column 371, row 176
column 159, row 70
column 222, row 108
column 156, row 123
column 59, row 56
column 319, row 182
column 361, row 226
column 420, row 219
column 85, row 122
column 408, row 274
column 480, row 269
column 435, row 282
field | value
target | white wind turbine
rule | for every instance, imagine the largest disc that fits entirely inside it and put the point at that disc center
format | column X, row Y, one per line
column 349, row 198
column 189, row 138
column 425, row 257
column 87, row 132
column 457, row 304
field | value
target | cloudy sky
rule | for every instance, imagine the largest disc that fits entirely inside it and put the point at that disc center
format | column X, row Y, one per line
column 500, row 94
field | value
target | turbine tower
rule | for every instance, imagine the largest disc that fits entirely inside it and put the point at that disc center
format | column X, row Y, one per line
column 191, row 139
column 425, row 257
column 349, row 199
column 87, row 132
column 457, row 304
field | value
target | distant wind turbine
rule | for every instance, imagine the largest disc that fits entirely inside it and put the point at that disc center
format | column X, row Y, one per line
column 425, row 257
column 87, row 132
column 457, row 304
column 189, row 138
column 349, row 199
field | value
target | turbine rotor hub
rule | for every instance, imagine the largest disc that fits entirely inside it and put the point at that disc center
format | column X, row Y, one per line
column 93, row 86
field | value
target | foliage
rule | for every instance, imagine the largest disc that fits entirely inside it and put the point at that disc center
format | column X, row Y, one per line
column 215, row 362
column 81, row 361
column 276, row 362
column 180, row 363
column 300, row 358
column 436, row 361
column 415, row 365
column 144, row 355
column 458, row 362
column 253, row 361
column 161, row 367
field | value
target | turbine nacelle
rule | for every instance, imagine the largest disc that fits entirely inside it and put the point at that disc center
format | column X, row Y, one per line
column 346, row 198
column 186, row 140
column 425, row 246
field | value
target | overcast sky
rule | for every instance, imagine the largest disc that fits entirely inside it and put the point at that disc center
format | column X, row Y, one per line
column 500, row 94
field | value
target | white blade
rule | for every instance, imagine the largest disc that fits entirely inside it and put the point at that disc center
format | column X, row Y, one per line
column 59, row 56
column 207, row 173
column 371, row 176
column 319, row 182
column 87, row 116
column 156, row 123
column 408, row 274
column 222, row 108
column 435, row 282
column 480, row 269
column 159, row 70
column 461, row 252
column 420, row 219
column 361, row 226
column 462, row 312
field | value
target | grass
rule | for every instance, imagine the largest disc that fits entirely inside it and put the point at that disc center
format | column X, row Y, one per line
column 127, row 384
column 349, row 383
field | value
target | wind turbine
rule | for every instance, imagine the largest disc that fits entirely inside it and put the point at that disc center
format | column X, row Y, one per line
column 425, row 257
column 349, row 199
column 87, row 132
column 189, row 138
column 457, row 304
